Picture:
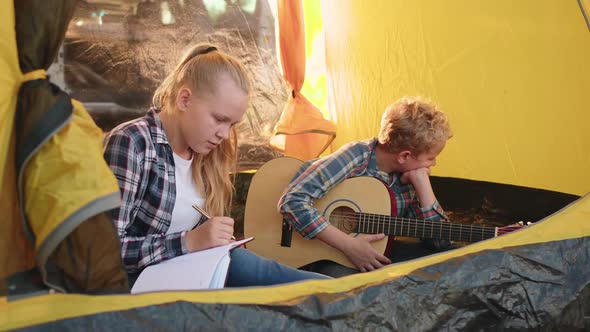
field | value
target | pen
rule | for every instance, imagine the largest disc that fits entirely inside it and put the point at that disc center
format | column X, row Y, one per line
column 203, row 212
column 206, row 215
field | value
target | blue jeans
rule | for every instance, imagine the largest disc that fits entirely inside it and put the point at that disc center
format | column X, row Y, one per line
column 248, row 269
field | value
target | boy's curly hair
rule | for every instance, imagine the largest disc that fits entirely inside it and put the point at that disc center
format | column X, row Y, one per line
column 414, row 124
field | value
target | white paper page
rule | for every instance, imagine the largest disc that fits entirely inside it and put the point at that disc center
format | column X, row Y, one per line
column 220, row 274
column 187, row 272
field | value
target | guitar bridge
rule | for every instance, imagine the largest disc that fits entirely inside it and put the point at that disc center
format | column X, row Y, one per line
column 286, row 234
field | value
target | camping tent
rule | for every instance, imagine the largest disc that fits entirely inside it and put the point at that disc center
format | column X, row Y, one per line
column 513, row 78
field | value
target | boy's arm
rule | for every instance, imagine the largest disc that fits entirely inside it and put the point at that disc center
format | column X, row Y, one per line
column 313, row 182
column 427, row 206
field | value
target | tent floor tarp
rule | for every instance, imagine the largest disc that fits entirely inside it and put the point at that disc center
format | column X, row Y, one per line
column 542, row 286
column 537, row 277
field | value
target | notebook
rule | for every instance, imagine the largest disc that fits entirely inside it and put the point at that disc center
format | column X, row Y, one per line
column 205, row 269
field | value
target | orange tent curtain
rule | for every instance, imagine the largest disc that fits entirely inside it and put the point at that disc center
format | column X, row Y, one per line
column 301, row 132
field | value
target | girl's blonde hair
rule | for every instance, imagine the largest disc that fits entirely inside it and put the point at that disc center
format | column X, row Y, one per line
column 414, row 124
column 200, row 68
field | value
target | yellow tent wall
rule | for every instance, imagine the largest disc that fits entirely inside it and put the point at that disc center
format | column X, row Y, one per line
column 512, row 75
column 12, row 238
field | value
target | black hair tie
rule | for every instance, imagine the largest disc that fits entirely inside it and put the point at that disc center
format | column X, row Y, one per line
column 209, row 49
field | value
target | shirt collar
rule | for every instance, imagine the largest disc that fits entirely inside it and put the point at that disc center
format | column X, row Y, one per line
column 373, row 162
column 156, row 128
column 390, row 179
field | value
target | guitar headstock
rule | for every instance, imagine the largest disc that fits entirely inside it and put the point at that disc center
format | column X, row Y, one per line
column 512, row 228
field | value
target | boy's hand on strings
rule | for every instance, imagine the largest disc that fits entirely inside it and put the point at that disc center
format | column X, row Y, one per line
column 217, row 231
column 360, row 252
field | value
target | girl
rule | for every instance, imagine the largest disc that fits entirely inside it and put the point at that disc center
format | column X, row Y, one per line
column 179, row 154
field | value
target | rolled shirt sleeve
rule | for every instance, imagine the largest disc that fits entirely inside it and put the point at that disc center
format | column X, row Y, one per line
column 313, row 180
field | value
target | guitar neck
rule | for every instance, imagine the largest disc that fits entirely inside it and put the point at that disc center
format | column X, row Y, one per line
column 427, row 229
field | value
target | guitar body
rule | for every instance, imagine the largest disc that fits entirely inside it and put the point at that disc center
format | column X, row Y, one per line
column 263, row 221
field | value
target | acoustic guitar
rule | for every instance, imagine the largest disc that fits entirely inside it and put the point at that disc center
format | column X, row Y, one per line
column 356, row 205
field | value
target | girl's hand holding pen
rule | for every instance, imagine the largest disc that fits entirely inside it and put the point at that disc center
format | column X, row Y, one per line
column 217, row 231
column 207, row 216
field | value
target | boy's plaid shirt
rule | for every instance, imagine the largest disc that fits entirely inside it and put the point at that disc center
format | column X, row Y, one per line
column 139, row 155
column 316, row 177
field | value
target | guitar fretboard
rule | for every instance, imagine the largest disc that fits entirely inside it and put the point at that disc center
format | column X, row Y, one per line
column 427, row 229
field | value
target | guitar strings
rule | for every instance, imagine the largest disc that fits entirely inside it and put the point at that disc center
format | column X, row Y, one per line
column 427, row 226
column 391, row 219
column 437, row 232
column 443, row 231
column 375, row 218
column 374, row 221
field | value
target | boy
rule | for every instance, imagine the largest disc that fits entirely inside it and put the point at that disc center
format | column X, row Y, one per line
column 413, row 132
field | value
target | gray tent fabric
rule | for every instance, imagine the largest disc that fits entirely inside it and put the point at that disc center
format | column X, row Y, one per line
column 541, row 287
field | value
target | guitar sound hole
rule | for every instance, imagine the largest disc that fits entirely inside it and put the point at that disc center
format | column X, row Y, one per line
column 345, row 219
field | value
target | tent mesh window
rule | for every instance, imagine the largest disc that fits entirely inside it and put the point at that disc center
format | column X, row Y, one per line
column 117, row 52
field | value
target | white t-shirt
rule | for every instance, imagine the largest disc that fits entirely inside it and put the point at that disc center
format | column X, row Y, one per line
column 184, row 216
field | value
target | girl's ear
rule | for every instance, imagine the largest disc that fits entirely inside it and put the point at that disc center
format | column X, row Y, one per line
column 183, row 98
column 403, row 156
